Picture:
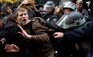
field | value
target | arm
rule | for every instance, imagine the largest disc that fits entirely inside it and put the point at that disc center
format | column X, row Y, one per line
column 78, row 33
column 39, row 30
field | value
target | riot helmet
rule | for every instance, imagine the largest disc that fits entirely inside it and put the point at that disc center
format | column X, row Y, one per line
column 73, row 19
column 70, row 5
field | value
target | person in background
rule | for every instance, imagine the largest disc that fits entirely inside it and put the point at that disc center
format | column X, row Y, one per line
column 31, row 7
column 40, row 8
column 58, row 12
column 68, row 7
column 80, row 8
column 49, row 17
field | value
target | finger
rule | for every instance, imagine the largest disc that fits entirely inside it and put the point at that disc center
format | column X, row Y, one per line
column 15, row 46
column 56, row 37
column 10, row 51
column 2, row 41
column 7, row 46
column 54, row 34
column 21, row 28
column 20, row 33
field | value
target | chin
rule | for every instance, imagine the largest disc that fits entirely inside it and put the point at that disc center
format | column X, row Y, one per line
column 24, row 24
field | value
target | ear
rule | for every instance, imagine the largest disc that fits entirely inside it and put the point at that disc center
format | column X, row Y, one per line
column 16, row 21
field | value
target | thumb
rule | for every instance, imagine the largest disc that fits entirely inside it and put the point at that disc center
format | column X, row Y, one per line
column 20, row 33
column 21, row 28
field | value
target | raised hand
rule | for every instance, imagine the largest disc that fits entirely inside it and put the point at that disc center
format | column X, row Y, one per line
column 23, row 32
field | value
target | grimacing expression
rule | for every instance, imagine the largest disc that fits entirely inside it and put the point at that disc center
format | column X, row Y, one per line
column 22, row 17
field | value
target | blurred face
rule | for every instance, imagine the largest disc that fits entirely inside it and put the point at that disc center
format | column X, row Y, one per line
column 66, row 11
column 9, row 10
column 22, row 17
column 48, row 10
column 79, row 6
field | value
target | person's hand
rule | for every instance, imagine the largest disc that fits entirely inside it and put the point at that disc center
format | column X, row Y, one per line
column 23, row 32
column 11, row 48
column 58, row 35
column 2, row 41
column 24, row 1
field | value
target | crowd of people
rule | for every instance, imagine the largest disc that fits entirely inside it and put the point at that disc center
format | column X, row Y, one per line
column 49, row 30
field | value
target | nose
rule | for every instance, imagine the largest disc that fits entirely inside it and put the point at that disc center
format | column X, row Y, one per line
column 24, row 15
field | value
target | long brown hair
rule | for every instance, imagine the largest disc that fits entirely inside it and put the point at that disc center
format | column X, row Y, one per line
column 58, row 12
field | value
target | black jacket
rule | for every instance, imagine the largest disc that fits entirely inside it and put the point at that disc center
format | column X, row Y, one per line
column 84, row 32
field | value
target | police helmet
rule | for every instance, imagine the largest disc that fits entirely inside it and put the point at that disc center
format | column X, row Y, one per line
column 49, row 4
column 70, row 5
column 73, row 19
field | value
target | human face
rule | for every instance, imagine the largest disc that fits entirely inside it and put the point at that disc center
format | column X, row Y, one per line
column 67, row 11
column 48, row 10
column 22, row 17
column 79, row 6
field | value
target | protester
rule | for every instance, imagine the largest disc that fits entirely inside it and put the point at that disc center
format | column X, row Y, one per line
column 36, row 33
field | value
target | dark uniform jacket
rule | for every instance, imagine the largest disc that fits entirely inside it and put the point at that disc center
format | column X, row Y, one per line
column 83, row 32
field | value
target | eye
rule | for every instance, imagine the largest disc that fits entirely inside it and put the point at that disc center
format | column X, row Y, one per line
column 25, row 13
column 21, row 15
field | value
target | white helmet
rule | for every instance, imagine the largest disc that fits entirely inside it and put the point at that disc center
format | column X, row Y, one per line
column 70, row 5
column 73, row 19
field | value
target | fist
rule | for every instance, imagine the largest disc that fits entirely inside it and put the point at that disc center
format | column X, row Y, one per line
column 58, row 35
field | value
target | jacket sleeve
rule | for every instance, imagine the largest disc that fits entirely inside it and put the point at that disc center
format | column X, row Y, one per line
column 40, row 31
column 85, row 31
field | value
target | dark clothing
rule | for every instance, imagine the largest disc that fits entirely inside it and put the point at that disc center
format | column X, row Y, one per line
column 85, row 14
column 82, row 32
column 32, row 14
column 37, row 46
column 79, row 35
column 12, row 37
column 2, row 35
column 51, row 20
column 39, row 43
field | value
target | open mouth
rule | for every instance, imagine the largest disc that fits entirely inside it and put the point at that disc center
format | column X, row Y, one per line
column 24, row 20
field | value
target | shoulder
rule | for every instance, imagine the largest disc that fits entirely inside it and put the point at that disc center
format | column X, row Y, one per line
column 38, row 19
